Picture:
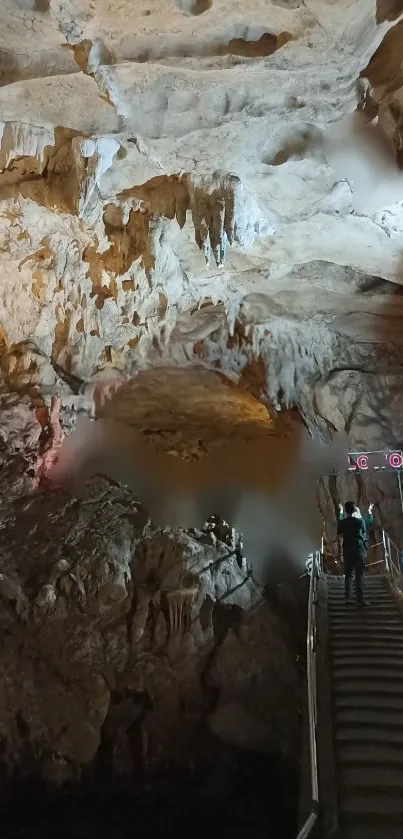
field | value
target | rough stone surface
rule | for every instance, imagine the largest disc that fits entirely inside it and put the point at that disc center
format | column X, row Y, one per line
column 119, row 636
column 201, row 184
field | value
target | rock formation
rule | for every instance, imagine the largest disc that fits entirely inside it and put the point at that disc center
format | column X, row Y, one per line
column 211, row 189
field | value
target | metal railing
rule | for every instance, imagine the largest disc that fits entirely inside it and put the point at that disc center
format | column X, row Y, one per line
column 392, row 556
column 376, row 561
column 310, row 822
column 392, row 560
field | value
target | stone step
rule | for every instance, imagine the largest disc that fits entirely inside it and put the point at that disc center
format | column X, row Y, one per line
column 355, row 615
column 365, row 652
column 376, row 809
column 374, row 598
column 353, row 610
column 361, row 619
column 379, row 588
column 377, row 591
column 343, row 643
column 369, row 734
column 380, row 717
column 383, row 595
column 341, row 633
column 339, row 610
column 374, row 601
column 380, row 591
column 359, row 640
column 372, row 624
column 372, row 831
column 337, row 579
column 378, row 673
column 388, row 702
column 378, row 687
column 395, row 651
column 371, row 778
column 341, row 658
column 382, row 598
column 342, row 646
column 374, row 583
column 369, row 754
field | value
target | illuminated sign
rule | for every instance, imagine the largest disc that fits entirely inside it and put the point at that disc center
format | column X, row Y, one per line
column 390, row 461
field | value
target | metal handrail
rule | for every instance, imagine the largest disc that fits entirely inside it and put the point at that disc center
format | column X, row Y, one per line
column 392, row 567
column 310, row 822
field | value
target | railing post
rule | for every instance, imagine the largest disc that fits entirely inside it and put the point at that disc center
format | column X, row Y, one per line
column 392, row 559
column 307, row 828
column 385, row 550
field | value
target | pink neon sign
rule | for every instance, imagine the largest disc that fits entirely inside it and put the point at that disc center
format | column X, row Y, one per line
column 379, row 461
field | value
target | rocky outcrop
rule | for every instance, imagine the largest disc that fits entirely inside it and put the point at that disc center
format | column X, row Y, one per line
column 120, row 641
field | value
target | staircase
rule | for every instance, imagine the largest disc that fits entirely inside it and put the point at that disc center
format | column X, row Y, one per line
column 366, row 664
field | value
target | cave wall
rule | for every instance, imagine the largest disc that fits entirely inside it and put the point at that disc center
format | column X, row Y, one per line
column 188, row 184
column 127, row 649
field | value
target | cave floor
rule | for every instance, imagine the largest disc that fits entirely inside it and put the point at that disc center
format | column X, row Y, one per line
column 261, row 800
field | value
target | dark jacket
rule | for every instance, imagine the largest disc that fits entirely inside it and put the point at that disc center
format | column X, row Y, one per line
column 354, row 534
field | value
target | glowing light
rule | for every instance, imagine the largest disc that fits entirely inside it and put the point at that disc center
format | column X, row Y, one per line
column 396, row 460
column 379, row 460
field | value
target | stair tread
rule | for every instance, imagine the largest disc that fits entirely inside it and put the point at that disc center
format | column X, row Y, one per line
column 340, row 659
column 372, row 804
column 368, row 734
column 375, row 587
column 334, row 579
column 354, row 686
column 369, row 635
column 388, row 717
column 355, row 611
column 381, row 601
column 374, row 583
column 368, row 650
column 366, row 643
column 375, row 754
column 387, row 612
column 381, row 594
column 369, row 614
column 366, row 618
column 364, row 671
column 337, row 596
column 376, row 580
column 386, row 702
column 371, row 776
column 372, row 831
column 357, row 615
column 385, row 617
column 363, row 636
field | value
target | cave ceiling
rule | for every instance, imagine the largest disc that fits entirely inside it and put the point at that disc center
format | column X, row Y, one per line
column 201, row 183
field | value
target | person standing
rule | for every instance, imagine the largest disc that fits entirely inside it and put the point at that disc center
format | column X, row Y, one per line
column 353, row 530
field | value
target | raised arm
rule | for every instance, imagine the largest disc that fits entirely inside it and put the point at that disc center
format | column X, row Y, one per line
column 340, row 519
column 369, row 518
